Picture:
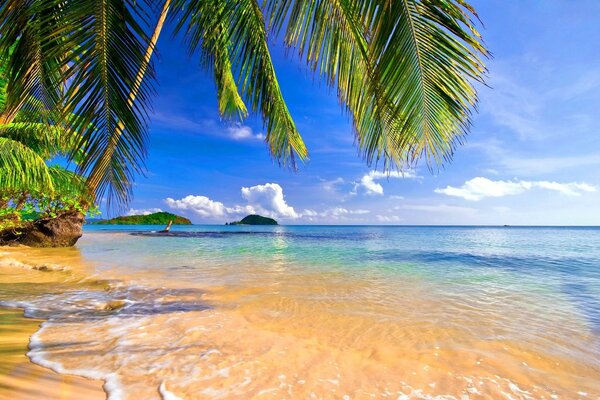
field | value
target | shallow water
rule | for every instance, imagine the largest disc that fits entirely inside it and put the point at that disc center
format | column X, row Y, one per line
column 319, row 312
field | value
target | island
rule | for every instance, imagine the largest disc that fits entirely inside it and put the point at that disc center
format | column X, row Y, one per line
column 254, row 220
column 157, row 218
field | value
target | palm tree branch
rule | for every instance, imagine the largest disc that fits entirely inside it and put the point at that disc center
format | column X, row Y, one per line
column 21, row 168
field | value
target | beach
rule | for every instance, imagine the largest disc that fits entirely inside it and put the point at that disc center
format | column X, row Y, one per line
column 20, row 379
column 311, row 312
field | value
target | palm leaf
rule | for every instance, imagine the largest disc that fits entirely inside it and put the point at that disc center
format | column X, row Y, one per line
column 69, row 183
column 332, row 38
column 33, row 70
column 403, row 69
column 429, row 72
column 22, row 169
column 109, row 40
column 248, row 52
column 46, row 140
column 206, row 33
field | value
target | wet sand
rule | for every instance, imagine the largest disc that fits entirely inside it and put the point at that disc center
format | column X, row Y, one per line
column 20, row 379
column 280, row 330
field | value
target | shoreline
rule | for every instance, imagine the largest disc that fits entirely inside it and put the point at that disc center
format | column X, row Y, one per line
column 283, row 328
column 22, row 379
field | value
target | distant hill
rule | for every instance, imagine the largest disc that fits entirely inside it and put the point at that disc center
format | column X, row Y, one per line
column 254, row 220
column 158, row 218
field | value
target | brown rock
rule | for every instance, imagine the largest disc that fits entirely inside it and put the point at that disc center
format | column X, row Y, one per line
column 62, row 231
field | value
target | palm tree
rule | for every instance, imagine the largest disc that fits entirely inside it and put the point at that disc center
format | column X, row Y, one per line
column 403, row 69
column 27, row 144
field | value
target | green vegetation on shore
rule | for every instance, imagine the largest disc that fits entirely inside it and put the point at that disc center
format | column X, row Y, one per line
column 157, row 218
column 254, row 220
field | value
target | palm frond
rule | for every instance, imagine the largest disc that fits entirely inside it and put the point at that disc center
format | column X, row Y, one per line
column 69, row 183
column 22, row 169
column 33, row 70
column 248, row 52
column 332, row 37
column 206, row 32
column 428, row 60
column 109, row 40
column 404, row 70
column 47, row 141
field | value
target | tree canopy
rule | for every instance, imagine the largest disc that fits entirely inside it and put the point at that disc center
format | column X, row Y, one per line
column 404, row 70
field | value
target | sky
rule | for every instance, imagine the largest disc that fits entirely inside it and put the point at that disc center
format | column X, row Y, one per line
column 532, row 156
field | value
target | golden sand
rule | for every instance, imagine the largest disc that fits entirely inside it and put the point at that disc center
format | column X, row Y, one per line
column 20, row 379
column 280, row 339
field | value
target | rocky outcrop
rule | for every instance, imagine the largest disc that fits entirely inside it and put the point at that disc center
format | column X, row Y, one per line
column 62, row 231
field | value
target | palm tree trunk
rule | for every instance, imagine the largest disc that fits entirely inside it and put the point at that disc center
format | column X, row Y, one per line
column 97, row 172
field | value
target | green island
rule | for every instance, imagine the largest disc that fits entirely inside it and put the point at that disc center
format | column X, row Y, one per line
column 157, row 218
column 254, row 220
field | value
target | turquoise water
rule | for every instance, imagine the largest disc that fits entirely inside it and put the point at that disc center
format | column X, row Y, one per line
column 356, row 311
column 555, row 262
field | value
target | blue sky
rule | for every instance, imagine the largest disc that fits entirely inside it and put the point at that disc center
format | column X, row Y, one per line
column 532, row 156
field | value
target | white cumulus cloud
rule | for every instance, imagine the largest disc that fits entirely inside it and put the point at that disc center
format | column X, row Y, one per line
column 478, row 188
column 369, row 181
column 264, row 199
column 243, row 132
column 268, row 199
column 200, row 205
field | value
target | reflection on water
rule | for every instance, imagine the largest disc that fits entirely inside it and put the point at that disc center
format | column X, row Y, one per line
column 319, row 312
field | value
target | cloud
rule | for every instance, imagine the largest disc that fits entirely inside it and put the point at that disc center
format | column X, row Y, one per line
column 340, row 211
column 337, row 214
column 331, row 185
column 264, row 199
column 479, row 188
column 510, row 162
column 268, row 199
column 205, row 126
column 143, row 211
column 371, row 187
column 309, row 213
column 437, row 208
column 515, row 106
column 243, row 132
column 199, row 205
column 387, row 219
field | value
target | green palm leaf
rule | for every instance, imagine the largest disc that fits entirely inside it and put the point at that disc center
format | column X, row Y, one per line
column 94, row 51
column 22, row 169
column 247, row 49
column 46, row 140
column 109, row 40
column 33, row 71
column 404, row 70
column 69, row 183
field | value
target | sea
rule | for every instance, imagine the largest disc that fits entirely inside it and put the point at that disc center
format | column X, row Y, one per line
column 318, row 312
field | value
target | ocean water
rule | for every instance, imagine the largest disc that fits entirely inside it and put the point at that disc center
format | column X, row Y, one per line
column 324, row 312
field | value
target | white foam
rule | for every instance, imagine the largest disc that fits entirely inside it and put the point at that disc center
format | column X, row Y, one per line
column 11, row 262
column 112, row 385
column 165, row 394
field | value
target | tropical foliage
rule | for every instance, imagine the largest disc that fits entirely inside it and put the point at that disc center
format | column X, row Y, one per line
column 157, row 218
column 403, row 70
column 30, row 187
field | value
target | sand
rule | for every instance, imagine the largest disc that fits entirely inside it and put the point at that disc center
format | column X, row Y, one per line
column 21, row 379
